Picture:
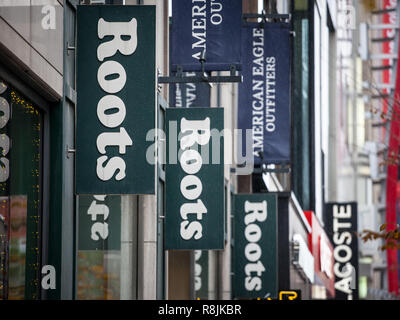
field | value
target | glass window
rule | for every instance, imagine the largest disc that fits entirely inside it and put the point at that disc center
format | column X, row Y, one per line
column 20, row 195
column 107, row 247
column 99, row 247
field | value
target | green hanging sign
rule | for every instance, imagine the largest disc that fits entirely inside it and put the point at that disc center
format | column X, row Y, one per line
column 194, row 177
column 255, row 246
column 115, row 99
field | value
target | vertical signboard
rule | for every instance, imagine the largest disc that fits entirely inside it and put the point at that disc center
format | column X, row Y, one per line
column 194, row 176
column 264, row 94
column 255, row 246
column 388, row 47
column 341, row 226
column 115, row 99
column 210, row 26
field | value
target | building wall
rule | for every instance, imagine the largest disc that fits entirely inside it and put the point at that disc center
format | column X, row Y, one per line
column 31, row 39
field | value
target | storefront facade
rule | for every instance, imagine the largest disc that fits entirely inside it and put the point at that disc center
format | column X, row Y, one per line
column 31, row 68
column 21, row 195
column 58, row 244
column 47, row 232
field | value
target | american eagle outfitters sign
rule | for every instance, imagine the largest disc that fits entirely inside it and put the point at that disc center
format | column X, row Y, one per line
column 264, row 103
column 212, row 26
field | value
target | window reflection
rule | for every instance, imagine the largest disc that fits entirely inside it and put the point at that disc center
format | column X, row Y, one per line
column 3, row 246
column 99, row 275
column 17, row 261
column 20, row 196
column 105, row 249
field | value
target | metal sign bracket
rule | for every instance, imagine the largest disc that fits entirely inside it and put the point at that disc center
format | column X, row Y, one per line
column 203, row 77
column 267, row 17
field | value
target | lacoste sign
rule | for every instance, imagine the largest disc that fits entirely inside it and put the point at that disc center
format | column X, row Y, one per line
column 341, row 226
column 115, row 99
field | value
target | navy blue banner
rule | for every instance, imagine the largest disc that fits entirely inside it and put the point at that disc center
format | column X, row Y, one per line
column 190, row 95
column 264, row 94
column 210, row 25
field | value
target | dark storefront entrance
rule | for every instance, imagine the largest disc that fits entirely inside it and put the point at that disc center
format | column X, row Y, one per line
column 21, row 137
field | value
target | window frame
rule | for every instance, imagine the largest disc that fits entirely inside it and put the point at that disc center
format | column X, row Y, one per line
column 35, row 98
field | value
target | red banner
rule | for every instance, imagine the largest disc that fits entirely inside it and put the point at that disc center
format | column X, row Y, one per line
column 393, row 150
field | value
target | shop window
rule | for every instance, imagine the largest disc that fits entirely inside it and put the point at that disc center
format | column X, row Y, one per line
column 99, row 245
column 107, row 247
column 21, row 130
